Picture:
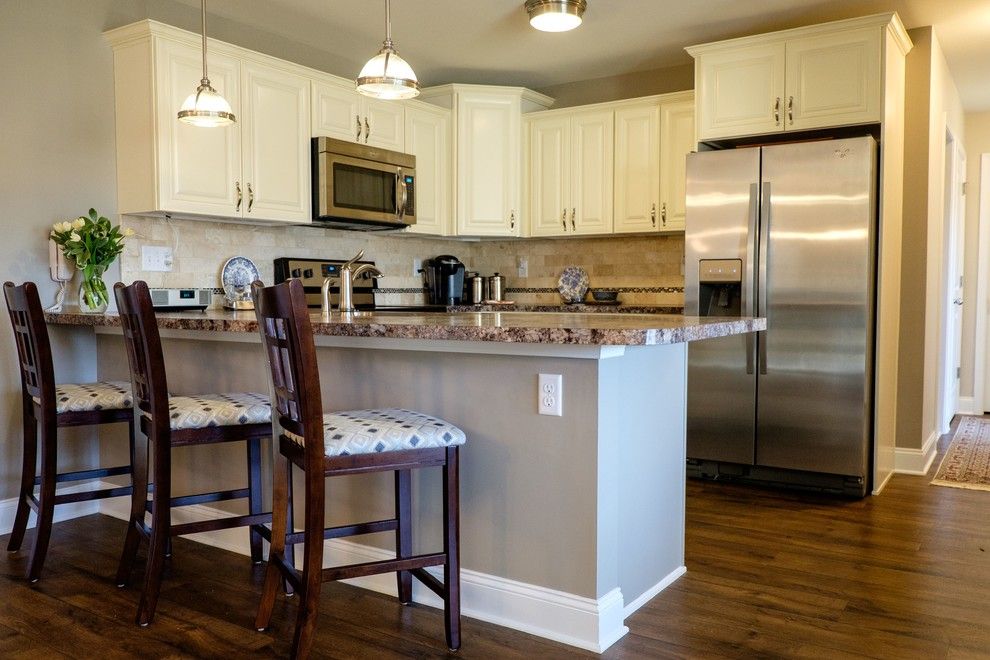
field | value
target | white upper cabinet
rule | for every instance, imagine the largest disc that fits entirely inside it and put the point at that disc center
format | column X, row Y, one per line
column 427, row 132
column 340, row 112
column 637, row 168
column 254, row 170
column 676, row 142
column 549, row 175
column 807, row 78
column 591, row 172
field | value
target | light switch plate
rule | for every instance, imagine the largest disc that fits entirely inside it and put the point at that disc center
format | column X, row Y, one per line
column 156, row 258
column 522, row 266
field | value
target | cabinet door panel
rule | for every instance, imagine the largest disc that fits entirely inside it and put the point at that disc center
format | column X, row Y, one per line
column 592, row 143
column 488, row 150
column 386, row 124
column 676, row 142
column 637, row 168
column 276, row 145
column 337, row 112
column 834, row 80
column 549, row 168
column 198, row 167
column 741, row 91
column 427, row 137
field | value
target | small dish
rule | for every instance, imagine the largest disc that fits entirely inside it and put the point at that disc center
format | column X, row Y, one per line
column 237, row 275
column 573, row 284
column 605, row 295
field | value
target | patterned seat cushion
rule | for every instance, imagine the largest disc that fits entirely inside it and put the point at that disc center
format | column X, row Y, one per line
column 86, row 397
column 391, row 429
column 204, row 410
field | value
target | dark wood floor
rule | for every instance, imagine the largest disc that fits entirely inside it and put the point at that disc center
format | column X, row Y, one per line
column 770, row 573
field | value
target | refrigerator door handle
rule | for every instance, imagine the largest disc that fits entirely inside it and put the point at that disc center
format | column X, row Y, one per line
column 761, row 295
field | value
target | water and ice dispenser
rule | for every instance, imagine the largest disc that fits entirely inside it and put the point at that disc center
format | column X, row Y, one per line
column 720, row 287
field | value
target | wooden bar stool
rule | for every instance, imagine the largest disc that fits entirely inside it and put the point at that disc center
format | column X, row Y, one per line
column 350, row 442
column 54, row 407
column 176, row 421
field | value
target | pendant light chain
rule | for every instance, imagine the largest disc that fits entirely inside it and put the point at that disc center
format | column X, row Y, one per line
column 206, row 78
column 205, row 107
column 387, row 75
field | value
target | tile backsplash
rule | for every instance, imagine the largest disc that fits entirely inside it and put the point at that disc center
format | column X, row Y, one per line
column 646, row 269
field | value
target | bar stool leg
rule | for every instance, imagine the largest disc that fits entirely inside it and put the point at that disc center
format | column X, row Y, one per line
column 312, row 578
column 27, row 481
column 403, row 531
column 139, row 503
column 254, row 495
column 290, row 548
column 451, row 547
column 46, row 497
column 281, row 485
column 160, row 531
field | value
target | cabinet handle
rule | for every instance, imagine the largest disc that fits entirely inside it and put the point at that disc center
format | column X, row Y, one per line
column 790, row 110
column 563, row 219
column 237, row 186
column 653, row 214
column 573, row 213
column 512, row 219
column 357, row 138
column 367, row 130
column 663, row 214
column 250, row 198
column 776, row 111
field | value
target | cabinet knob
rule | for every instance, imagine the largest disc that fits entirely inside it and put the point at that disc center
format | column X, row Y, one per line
column 790, row 110
column 250, row 197
column 573, row 213
column 357, row 138
column 237, row 187
column 512, row 219
column 776, row 111
column 367, row 130
column 563, row 219
column 653, row 214
column 663, row 214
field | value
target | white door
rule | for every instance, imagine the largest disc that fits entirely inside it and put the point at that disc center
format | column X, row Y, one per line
column 337, row 112
column 676, row 142
column 592, row 144
column 276, row 145
column 637, row 169
column 952, row 292
column 740, row 91
column 549, row 176
column 427, row 132
column 488, row 159
column 833, row 80
column 199, row 168
column 384, row 124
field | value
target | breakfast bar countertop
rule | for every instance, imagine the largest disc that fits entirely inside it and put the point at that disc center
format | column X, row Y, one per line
column 595, row 329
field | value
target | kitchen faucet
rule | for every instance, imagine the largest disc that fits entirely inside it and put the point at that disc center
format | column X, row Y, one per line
column 348, row 273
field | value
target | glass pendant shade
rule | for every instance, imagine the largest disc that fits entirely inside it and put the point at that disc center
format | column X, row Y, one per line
column 386, row 75
column 206, row 108
column 555, row 15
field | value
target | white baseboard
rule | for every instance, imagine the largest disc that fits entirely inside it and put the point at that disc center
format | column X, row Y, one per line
column 587, row 623
column 649, row 594
column 967, row 406
column 916, row 461
column 8, row 508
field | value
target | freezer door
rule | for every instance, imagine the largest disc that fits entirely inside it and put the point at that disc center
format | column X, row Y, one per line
column 816, row 275
column 722, row 203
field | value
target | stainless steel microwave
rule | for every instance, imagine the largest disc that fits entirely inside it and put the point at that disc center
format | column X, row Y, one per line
column 360, row 187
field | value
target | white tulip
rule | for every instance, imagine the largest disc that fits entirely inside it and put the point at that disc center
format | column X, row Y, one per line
column 129, row 232
column 79, row 223
column 75, row 237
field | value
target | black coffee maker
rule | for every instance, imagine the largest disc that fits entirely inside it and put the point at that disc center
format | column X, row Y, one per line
column 444, row 277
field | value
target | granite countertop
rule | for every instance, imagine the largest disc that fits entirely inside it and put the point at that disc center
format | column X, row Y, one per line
column 597, row 329
column 590, row 308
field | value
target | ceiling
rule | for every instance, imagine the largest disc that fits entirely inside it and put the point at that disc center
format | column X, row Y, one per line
column 490, row 41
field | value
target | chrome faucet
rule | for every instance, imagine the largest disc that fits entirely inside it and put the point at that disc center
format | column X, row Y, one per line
column 348, row 273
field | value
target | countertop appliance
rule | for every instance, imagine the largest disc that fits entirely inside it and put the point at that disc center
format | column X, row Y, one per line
column 444, row 277
column 312, row 272
column 787, row 232
column 360, row 187
column 180, row 300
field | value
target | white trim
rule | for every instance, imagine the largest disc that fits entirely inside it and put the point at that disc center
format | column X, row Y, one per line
column 648, row 595
column 916, row 461
column 980, row 371
column 8, row 508
column 587, row 623
column 967, row 406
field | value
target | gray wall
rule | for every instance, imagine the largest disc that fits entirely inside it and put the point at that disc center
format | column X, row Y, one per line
column 615, row 88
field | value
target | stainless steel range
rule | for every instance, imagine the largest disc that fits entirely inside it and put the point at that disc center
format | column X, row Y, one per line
column 312, row 272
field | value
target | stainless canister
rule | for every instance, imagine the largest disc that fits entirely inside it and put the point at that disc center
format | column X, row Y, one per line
column 477, row 289
column 496, row 288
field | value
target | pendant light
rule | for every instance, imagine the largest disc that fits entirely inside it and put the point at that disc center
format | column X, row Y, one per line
column 555, row 15
column 205, row 107
column 386, row 75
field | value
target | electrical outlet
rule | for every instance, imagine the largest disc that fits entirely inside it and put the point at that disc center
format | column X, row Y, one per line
column 155, row 258
column 417, row 266
column 522, row 266
column 550, row 395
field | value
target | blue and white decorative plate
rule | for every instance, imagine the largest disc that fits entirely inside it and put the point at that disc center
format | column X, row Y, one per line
column 237, row 275
column 573, row 284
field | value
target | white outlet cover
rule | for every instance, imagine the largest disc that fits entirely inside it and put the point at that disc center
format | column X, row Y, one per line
column 550, row 395
column 156, row 258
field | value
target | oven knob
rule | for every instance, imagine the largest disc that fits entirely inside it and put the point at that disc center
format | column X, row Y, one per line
column 308, row 273
column 296, row 272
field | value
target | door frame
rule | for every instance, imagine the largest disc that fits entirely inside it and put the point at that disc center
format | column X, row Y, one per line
column 951, row 254
column 981, row 370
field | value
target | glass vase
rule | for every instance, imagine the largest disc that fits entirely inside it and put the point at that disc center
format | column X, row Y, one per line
column 93, row 296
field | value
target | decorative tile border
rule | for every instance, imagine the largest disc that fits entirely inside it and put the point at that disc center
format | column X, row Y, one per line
column 620, row 289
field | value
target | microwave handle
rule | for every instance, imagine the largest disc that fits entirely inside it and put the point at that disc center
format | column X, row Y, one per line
column 401, row 194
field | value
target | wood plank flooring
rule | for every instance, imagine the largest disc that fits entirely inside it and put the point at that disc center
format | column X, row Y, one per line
column 770, row 574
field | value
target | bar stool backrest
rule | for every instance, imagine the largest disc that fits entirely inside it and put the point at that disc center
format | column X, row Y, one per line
column 34, row 350
column 287, row 335
column 144, row 351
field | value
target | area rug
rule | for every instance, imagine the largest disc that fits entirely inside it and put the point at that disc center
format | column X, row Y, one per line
column 967, row 461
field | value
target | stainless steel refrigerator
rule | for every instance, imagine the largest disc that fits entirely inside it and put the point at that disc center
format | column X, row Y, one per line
column 786, row 232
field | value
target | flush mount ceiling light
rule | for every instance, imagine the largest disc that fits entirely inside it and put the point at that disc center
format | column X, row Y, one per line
column 386, row 75
column 205, row 107
column 555, row 15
